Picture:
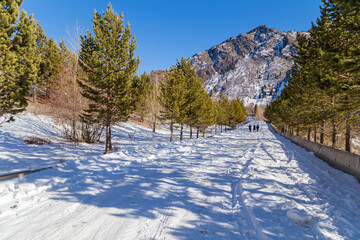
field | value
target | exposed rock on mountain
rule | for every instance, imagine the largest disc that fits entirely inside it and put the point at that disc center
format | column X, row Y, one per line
column 251, row 66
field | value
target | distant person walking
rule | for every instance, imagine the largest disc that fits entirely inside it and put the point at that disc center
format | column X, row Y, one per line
column 254, row 128
column 249, row 128
column 257, row 127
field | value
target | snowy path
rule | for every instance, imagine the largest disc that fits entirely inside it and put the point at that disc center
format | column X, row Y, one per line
column 237, row 185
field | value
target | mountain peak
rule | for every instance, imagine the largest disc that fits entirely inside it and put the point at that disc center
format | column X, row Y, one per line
column 251, row 66
column 262, row 28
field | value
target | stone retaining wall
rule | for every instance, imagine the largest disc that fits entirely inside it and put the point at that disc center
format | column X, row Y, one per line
column 344, row 161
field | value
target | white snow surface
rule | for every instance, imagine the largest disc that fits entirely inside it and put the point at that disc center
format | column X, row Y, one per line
column 234, row 185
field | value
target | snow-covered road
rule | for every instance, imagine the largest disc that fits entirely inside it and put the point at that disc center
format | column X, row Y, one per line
column 236, row 185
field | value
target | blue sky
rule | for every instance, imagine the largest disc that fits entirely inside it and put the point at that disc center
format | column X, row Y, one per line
column 169, row 29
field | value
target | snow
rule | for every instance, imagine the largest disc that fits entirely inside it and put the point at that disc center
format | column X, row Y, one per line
column 234, row 185
column 262, row 57
column 356, row 143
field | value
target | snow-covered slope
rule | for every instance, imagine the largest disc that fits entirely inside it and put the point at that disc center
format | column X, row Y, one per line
column 251, row 66
column 17, row 156
column 236, row 185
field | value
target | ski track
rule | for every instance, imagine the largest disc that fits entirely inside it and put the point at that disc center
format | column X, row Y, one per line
column 235, row 185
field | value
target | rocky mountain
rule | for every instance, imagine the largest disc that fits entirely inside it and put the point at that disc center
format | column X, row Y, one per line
column 251, row 66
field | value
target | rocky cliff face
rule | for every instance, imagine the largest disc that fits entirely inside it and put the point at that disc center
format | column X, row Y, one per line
column 251, row 66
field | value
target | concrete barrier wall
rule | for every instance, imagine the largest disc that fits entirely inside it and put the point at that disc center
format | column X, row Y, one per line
column 344, row 161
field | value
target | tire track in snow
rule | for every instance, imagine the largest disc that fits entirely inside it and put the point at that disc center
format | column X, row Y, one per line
column 238, row 194
column 155, row 228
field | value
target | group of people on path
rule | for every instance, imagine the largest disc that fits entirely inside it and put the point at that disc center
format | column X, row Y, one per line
column 255, row 127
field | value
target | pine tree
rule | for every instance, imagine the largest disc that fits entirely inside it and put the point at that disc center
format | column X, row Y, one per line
column 240, row 111
column 25, row 48
column 50, row 61
column 41, row 39
column 207, row 114
column 222, row 111
column 323, row 84
column 172, row 97
column 183, row 72
column 107, row 57
column 17, row 66
column 147, row 99
column 342, row 58
column 143, row 89
column 194, row 91
column 255, row 109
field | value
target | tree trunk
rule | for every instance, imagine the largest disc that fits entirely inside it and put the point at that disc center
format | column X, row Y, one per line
column 181, row 131
column 297, row 131
column 309, row 134
column 215, row 129
column 73, row 134
column 197, row 132
column 107, row 139
column 171, row 131
column 34, row 94
column 110, row 143
column 333, row 137
column 220, row 128
column 190, row 132
column 322, row 135
column 348, row 137
column 203, row 132
column 315, row 133
column 154, row 125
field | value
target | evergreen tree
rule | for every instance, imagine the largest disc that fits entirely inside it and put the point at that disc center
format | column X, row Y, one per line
column 240, row 111
column 342, row 59
column 172, row 97
column 194, row 92
column 25, row 48
column 107, row 57
column 324, row 82
column 17, row 62
column 143, row 88
column 146, row 99
column 222, row 110
column 207, row 115
column 50, row 61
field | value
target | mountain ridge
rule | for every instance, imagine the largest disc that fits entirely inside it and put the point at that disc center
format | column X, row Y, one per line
column 251, row 66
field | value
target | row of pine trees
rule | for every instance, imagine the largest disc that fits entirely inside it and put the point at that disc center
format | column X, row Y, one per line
column 94, row 86
column 322, row 98
column 185, row 102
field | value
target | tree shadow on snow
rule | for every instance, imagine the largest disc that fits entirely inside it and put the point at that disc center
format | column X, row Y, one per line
column 151, row 189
